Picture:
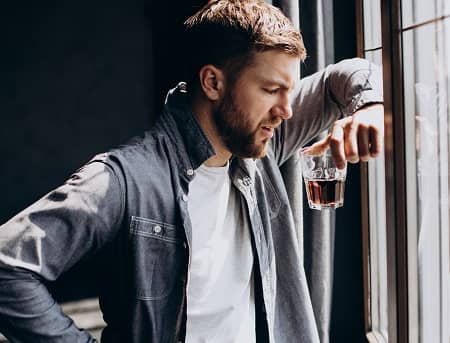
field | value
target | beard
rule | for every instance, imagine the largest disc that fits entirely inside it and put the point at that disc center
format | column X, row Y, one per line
column 235, row 130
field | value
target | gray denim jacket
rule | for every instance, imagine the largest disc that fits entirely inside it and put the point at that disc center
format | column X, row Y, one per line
column 129, row 208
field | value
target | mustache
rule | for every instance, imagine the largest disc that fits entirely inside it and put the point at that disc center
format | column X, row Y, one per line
column 273, row 123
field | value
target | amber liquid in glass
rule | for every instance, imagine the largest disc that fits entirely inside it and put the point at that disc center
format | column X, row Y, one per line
column 325, row 193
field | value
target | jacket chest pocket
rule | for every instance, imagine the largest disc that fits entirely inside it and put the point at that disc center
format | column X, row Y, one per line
column 157, row 255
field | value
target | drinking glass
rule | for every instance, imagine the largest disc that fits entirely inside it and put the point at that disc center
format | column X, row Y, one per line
column 324, row 182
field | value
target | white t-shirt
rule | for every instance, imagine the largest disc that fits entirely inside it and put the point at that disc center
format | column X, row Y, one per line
column 220, row 291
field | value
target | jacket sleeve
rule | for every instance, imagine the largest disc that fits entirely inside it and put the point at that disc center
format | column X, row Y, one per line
column 46, row 239
column 324, row 97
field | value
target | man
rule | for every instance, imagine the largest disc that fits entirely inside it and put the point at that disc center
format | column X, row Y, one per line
column 193, row 219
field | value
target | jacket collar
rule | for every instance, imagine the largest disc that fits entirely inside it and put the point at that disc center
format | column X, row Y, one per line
column 197, row 145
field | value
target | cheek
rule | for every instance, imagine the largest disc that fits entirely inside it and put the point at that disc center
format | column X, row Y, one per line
column 261, row 111
column 257, row 105
column 254, row 104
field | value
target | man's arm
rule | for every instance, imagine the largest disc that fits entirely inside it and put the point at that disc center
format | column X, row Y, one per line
column 321, row 99
column 46, row 239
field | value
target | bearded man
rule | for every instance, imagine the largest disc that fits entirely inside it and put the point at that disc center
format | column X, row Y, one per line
column 193, row 218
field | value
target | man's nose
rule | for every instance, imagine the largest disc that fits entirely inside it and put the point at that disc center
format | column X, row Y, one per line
column 283, row 109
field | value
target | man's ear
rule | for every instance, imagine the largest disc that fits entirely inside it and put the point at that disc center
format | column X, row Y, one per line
column 212, row 82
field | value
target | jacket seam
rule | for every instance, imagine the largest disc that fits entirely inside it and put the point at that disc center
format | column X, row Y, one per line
column 122, row 194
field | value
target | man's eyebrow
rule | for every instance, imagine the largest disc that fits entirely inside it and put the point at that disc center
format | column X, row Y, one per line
column 279, row 82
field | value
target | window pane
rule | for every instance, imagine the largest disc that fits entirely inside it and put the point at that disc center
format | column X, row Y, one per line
column 427, row 115
column 445, row 5
column 445, row 43
column 419, row 11
column 378, row 313
column 378, row 266
column 411, row 184
column 377, row 237
column 372, row 24
column 375, row 56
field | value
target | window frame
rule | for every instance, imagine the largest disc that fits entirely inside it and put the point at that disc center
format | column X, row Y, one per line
column 370, row 293
column 395, row 170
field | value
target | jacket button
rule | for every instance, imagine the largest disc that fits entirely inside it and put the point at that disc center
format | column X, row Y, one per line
column 190, row 172
column 247, row 181
column 185, row 197
column 157, row 229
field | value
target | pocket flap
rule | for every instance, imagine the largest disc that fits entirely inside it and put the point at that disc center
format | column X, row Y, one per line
column 153, row 228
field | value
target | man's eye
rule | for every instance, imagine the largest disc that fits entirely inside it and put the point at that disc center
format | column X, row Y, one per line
column 272, row 91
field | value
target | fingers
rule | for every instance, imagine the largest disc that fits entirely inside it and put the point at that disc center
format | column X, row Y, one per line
column 375, row 139
column 351, row 142
column 370, row 131
column 319, row 147
column 354, row 138
column 363, row 143
column 362, row 134
column 337, row 145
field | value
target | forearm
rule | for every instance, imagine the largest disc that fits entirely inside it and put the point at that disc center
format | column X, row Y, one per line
column 29, row 314
column 324, row 97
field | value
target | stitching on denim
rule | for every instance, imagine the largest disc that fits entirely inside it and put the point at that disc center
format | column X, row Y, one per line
column 266, row 181
column 153, row 221
column 155, row 236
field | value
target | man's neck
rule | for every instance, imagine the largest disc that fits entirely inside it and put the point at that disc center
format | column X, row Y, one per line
column 204, row 114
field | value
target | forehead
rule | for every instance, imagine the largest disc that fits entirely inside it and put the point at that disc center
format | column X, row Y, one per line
column 273, row 67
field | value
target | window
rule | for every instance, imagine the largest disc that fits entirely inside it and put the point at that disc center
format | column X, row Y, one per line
column 426, row 43
column 408, row 241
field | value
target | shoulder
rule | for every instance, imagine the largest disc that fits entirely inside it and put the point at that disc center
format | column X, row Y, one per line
column 152, row 145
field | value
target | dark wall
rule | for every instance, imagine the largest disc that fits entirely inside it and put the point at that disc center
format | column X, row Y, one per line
column 75, row 80
column 78, row 78
column 167, row 22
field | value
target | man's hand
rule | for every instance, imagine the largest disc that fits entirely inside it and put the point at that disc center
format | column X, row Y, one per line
column 354, row 138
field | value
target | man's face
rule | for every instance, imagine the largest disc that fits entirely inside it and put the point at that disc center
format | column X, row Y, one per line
column 257, row 103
